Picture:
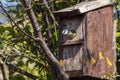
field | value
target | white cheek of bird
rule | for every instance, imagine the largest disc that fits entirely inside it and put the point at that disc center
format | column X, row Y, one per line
column 69, row 33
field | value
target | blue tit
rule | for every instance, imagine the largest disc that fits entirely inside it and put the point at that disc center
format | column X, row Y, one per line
column 69, row 33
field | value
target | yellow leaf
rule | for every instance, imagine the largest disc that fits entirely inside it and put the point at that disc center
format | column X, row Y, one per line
column 93, row 61
column 61, row 62
column 109, row 62
column 101, row 56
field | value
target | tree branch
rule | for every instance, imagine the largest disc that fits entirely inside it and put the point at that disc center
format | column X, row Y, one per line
column 17, row 69
column 51, row 58
column 46, row 24
column 4, row 71
column 37, row 31
column 8, row 15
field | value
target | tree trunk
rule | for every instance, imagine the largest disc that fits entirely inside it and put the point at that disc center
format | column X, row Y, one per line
column 40, row 41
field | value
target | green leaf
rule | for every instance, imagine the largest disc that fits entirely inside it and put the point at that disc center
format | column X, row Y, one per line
column 17, row 77
column 2, row 29
column 118, row 34
column 118, row 6
column 27, row 51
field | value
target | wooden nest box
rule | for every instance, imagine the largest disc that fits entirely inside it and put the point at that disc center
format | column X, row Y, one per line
column 87, row 39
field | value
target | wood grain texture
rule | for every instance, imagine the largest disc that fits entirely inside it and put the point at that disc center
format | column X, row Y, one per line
column 83, row 7
column 99, row 40
column 71, row 54
column 96, row 57
column 71, row 42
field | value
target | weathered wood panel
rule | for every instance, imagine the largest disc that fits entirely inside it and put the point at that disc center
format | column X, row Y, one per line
column 99, row 55
column 71, row 55
column 92, row 52
column 83, row 7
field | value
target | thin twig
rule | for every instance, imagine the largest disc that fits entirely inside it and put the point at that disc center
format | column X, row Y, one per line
column 8, row 15
column 17, row 69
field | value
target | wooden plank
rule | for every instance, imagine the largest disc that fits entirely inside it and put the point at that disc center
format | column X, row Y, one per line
column 70, row 42
column 71, row 54
column 99, row 52
column 82, row 8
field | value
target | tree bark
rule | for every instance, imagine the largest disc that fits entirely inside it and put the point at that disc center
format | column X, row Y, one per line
column 45, row 19
column 40, row 41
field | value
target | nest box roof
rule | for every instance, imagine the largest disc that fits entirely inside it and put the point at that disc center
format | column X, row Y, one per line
column 83, row 7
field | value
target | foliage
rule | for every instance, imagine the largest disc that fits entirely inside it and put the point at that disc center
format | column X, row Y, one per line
column 117, row 2
column 21, row 51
